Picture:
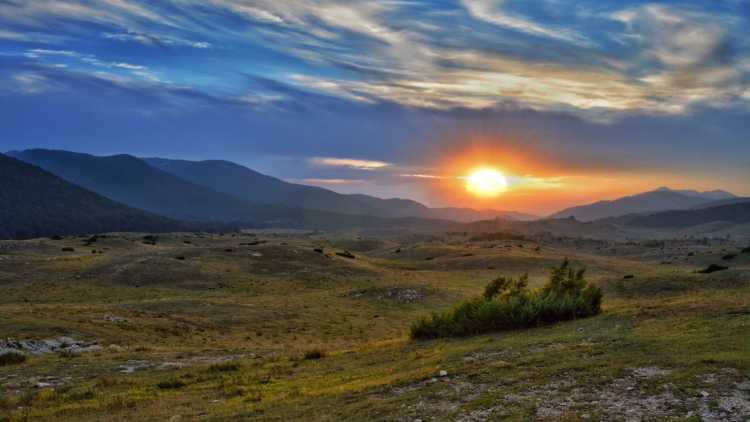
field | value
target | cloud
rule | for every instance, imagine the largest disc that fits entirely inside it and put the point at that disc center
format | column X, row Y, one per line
column 493, row 11
column 470, row 54
column 349, row 162
column 332, row 182
column 154, row 40
column 89, row 59
column 685, row 56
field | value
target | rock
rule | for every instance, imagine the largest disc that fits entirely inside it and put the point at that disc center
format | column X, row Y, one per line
column 704, row 394
column 42, row 385
column 443, row 373
column 115, row 318
column 55, row 345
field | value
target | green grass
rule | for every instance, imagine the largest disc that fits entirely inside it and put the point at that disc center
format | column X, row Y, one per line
column 224, row 333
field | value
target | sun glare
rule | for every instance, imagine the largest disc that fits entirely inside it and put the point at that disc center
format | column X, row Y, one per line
column 486, row 182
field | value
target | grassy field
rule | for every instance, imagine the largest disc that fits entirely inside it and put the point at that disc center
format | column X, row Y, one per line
column 209, row 327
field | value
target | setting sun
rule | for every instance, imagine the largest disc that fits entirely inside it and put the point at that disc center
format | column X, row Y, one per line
column 486, row 182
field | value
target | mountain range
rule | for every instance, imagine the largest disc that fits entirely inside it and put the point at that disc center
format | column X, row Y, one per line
column 37, row 203
column 216, row 190
column 48, row 191
column 661, row 199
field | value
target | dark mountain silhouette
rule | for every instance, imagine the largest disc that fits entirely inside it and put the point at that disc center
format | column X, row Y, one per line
column 134, row 182
column 738, row 213
column 35, row 203
column 131, row 181
column 242, row 182
column 662, row 199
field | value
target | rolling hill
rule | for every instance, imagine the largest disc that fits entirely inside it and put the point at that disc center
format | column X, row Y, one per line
column 35, row 203
column 661, row 199
column 242, row 182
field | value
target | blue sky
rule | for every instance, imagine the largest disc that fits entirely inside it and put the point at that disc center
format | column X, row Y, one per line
column 589, row 98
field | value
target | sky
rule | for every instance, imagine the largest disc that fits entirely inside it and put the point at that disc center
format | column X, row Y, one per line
column 571, row 101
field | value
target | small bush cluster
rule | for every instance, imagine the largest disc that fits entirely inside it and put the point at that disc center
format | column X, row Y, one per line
column 12, row 358
column 224, row 367
column 508, row 304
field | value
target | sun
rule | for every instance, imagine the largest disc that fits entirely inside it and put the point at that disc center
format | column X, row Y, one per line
column 486, row 182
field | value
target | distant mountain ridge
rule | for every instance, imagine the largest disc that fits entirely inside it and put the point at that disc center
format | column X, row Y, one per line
column 34, row 203
column 239, row 181
column 661, row 199
column 132, row 181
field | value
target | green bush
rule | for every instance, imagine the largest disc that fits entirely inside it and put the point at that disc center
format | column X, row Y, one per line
column 509, row 304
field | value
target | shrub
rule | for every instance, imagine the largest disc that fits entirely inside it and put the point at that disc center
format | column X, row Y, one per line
column 509, row 304
column 12, row 358
column 224, row 367
column 314, row 354
column 170, row 384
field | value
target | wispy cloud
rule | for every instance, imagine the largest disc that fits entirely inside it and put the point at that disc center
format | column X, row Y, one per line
column 156, row 40
column 476, row 54
column 332, row 182
column 494, row 12
column 349, row 163
column 90, row 59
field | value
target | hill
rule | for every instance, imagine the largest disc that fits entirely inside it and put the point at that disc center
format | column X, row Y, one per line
column 129, row 180
column 662, row 199
column 241, row 182
column 35, row 203
column 737, row 213
column 134, row 182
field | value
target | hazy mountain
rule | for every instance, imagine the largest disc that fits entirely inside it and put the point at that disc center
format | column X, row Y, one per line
column 661, row 199
column 242, row 182
column 737, row 213
column 35, row 203
column 134, row 182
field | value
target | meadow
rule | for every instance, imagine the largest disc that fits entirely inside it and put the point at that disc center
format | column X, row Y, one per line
column 315, row 326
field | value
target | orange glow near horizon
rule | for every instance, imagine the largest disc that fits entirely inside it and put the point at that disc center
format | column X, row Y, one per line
column 518, row 179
